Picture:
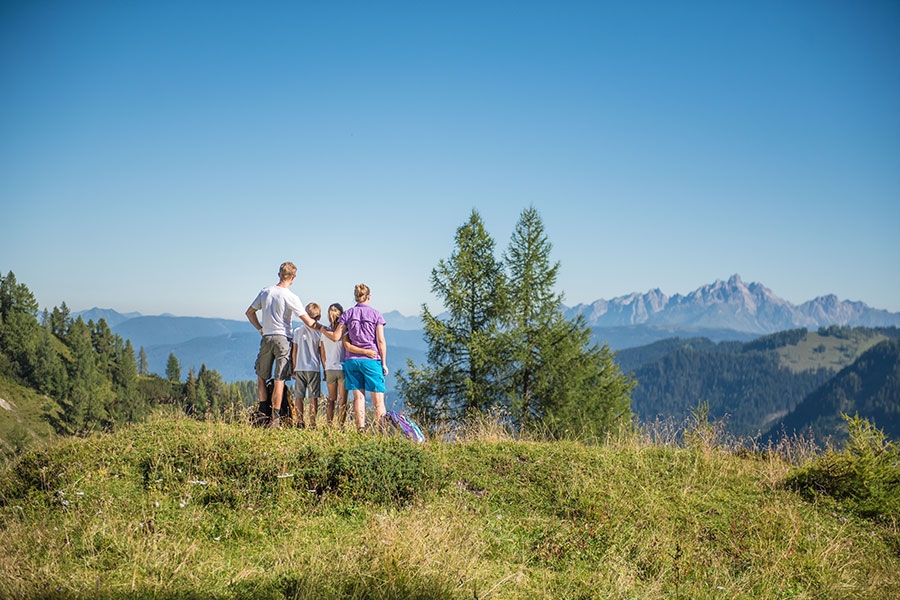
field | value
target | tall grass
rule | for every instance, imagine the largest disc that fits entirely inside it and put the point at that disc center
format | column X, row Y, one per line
column 176, row 508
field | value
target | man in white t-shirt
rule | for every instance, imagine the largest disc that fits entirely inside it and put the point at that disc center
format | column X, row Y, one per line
column 278, row 304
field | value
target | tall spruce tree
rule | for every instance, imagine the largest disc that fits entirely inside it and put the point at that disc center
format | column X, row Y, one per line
column 462, row 371
column 19, row 327
column 533, row 323
column 173, row 369
column 90, row 393
column 555, row 374
column 143, row 363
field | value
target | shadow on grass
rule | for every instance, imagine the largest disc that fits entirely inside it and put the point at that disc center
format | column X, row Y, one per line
column 286, row 587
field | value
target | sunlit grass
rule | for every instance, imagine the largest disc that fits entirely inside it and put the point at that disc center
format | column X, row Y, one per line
column 176, row 508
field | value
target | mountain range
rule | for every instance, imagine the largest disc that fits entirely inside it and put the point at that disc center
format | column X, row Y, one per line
column 729, row 305
column 721, row 311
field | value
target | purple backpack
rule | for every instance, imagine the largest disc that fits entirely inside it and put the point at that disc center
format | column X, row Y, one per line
column 407, row 427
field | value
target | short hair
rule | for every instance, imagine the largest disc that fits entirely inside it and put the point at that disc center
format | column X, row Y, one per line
column 314, row 310
column 287, row 270
column 361, row 292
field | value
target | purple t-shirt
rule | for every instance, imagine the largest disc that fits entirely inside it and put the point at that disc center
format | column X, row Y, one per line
column 361, row 321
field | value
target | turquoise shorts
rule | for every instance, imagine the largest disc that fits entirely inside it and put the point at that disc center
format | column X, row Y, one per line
column 363, row 374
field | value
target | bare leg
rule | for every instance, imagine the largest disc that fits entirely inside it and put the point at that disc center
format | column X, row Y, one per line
column 329, row 404
column 313, row 411
column 378, row 405
column 342, row 403
column 277, row 393
column 359, row 407
column 299, row 409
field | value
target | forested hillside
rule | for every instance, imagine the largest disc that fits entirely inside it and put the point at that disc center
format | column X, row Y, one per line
column 752, row 385
column 749, row 389
column 870, row 388
column 60, row 375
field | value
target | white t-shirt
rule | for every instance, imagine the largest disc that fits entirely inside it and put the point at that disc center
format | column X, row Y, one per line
column 306, row 340
column 334, row 354
column 277, row 304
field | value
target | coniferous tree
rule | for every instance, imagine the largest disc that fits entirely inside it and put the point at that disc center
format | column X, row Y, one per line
column 19, row 327
column 104, row 342
column 130, row 405
column 505, row 342
column 555, row 374
column 462, row 373
column 213, row 399
column 532, row 318
column 173, row 369
column 50, row 373
column 190, row 394
column 59, row 320
column 90, row 392
column 143, row 364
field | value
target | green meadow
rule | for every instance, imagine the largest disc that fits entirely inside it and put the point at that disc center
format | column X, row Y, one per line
column 174, row 508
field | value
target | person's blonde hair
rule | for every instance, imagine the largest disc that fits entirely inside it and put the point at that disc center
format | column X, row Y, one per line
column 361, row 292
column 287, row 270
column 314, row 311
column 337, row 308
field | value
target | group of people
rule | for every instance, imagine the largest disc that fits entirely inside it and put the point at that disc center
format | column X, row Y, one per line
column 351, row 350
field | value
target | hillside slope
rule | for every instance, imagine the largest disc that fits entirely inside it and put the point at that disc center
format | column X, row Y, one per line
column 177, row 508
column 869, row 387
column 752, row 385
column 25, row 418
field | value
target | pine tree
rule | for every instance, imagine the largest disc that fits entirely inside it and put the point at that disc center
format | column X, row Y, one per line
column 173, row 369
column 555, row 374
column 90, row 392
column 190, row 394
column 19, row 327
column 462, row 371
column 506, row 343
column 533, row 317
column 143, row 364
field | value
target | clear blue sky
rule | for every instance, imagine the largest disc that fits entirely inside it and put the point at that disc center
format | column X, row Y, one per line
column 166, row 156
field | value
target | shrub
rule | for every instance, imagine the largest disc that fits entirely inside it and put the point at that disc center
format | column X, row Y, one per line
column 864, row 476
column 383, row 471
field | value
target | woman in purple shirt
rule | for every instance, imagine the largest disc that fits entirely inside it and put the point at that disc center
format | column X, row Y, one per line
column 363, row 371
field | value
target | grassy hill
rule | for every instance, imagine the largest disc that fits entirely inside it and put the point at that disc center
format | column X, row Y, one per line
column 870, row 388
column 24, row 418
column 829, row 351
column 176, row 508
column 754, row 384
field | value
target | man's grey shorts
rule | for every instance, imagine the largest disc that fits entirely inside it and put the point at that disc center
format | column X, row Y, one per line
column 274, row 349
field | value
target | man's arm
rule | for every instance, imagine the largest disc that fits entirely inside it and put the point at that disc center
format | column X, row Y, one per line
column 310, row 322
column 382, row 347
column 254, row 320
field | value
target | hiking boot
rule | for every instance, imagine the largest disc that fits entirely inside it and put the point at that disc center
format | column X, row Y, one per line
column 274, row 423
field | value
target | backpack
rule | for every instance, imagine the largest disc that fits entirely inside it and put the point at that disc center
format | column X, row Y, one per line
column 407, row 427
column 263, row 411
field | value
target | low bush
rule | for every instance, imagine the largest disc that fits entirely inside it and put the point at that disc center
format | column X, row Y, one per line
column 864, row 476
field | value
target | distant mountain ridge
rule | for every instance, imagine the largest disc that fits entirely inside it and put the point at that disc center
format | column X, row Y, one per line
column 732, row 304
column 722, row 311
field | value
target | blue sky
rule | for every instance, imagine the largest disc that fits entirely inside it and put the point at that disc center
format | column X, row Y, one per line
column 165, row 157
